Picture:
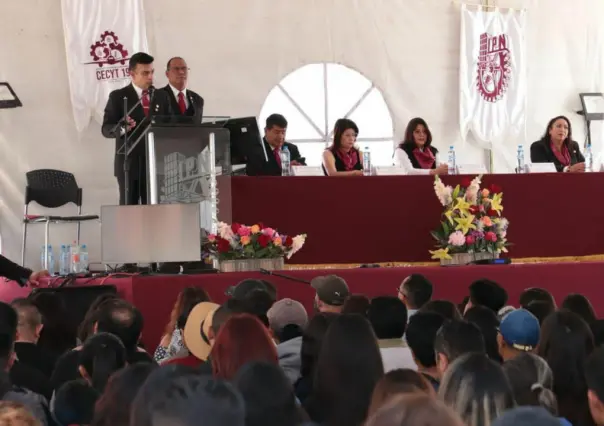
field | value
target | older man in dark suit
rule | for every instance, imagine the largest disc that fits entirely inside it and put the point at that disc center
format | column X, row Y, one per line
column 152, row 102
column 183, row 101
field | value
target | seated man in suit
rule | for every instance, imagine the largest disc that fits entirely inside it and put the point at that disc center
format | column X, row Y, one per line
column 183, row 102
column 259, row 164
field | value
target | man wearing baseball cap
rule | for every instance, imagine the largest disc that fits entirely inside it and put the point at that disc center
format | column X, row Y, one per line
column 519, row 332
column 332, row 292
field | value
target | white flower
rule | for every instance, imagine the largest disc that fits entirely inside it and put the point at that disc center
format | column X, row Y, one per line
column 443, row 192
column 503, row 224
column 225, row 231
column 297, row 243
column 472, row 191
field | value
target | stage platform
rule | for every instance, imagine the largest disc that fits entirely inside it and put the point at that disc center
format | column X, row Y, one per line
column 155, row 295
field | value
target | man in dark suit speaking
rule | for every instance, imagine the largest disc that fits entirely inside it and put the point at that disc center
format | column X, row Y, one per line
column 183, row 101
column 274, row 141
column 152, row 102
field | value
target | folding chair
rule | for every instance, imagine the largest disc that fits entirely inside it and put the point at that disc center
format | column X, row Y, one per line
column 51, row 189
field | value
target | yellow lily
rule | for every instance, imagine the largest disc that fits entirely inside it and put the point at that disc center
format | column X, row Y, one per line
column 449, row 215
column 441, row 254
column 464, row 224
column 462, row 205
column 496, row 203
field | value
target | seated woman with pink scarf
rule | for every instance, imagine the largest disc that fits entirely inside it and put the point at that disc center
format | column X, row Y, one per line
column 557, row 146
column 416, row 154
column 342, row 158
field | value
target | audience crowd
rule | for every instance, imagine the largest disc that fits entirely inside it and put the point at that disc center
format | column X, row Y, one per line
column 255, row 360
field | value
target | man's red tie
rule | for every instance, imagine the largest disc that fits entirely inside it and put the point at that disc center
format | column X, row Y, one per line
column 145, row 101
column 277, row 153
column 181, row 103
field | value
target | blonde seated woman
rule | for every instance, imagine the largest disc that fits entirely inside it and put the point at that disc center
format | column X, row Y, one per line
column 342, row 158
column 416, row 154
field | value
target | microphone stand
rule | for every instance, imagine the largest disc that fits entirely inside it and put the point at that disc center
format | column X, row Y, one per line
column 287, row 277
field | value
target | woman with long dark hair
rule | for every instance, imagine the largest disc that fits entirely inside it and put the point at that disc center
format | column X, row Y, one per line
column 557, row 146
column 416, row 154
column 349, row 366
column 342, row 158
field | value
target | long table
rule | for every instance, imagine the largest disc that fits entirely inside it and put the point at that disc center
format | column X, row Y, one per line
column 155, row 295
column 389, row 218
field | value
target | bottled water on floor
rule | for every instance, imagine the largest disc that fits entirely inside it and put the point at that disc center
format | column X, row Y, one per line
column 451, row 160
column 285, row 162
column 520, row 160
column 366, row 162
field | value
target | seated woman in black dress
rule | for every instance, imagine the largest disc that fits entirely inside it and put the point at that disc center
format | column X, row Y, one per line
column 342, row 158
column 557, row 146
column 416, row 154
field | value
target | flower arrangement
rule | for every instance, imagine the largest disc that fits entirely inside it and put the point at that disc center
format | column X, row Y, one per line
column 237, row 241
column 472, row 221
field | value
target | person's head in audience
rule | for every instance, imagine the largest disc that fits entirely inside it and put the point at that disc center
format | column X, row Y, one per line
column 242, row 339
column 186, row 300
column 442, row 307
column 594, row 375
column 123, row 320
column 597, row 329
column 198, row 336
column 332, row 292
column 581, row 306
column 312, row 341
column 74, row 403
column 268, row 395
column 477, row 389
column 275, row 130
column 420, row 335
column 454, row 339
column 519, row 332
column 415, row 291
column 349, row 366
column 356, row 304
column 29, row 324
column 528, row 416
column 113, row 407
column 16, row 414
column 245, row 288
column 414, row 410
column 58, row 335
column 504, row 311
column 488, row 323
column 541, row 309
column 223, row 313
column 388, row 317
column 177, row 73
column 345, row 133
column 462, row 305
column 86, row 327
column 536, row 294
column 102, row 355
column 286, row 312
column 398, row 382
column 487, row 293
column 566, row 342
column 532, row 381
column 8, row 331
column 178, row 395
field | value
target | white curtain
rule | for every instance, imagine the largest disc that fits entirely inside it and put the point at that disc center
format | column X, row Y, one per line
column 100, row 36
column 493, row 78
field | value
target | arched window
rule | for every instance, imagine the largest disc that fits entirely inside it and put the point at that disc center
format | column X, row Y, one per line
column 314, row 96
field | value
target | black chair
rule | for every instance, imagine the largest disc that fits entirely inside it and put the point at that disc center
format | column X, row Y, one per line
column 51, row 189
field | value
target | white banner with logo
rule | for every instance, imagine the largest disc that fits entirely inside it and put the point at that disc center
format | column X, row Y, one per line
column 100, row 37
column 493, row 75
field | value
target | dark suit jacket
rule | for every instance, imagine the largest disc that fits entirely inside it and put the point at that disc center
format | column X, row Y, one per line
column 114, row 112
column 12, row 271
column 257, row 164
column 541, row 152
column 195, row 108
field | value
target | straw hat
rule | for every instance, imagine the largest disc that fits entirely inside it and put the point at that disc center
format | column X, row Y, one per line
column 197, row 329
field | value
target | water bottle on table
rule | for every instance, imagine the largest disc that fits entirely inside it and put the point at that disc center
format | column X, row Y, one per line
column 366, row 162
column 451, row 160
column 520, row 160
column 589, row 159
column 84, row 258
column 74, row 252
column 64, row 261
column 285, row 162
column 47, row 260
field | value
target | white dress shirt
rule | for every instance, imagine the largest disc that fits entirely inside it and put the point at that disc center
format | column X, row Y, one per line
column 401, row 159
column 184, row 92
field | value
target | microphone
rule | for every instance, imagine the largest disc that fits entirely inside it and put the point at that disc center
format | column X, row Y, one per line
column 287, row 277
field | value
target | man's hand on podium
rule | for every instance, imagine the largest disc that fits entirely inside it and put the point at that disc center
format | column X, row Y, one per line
column 34, row 278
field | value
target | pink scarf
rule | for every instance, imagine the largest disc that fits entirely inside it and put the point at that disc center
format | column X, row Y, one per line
column 350, row 158
column 563, row 155
column 425, row 158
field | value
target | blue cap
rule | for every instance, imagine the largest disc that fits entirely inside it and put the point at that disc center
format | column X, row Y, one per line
column 520, row 329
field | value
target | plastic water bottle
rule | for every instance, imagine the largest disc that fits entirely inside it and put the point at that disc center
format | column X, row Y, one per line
column 64, row 261
column 43, row 258
column 588, row 159
column 74, row 252
column 451, row 160
column 84, row 258
column 520, row 160
column 285, row 162
column 50, row 267
column 366, row 161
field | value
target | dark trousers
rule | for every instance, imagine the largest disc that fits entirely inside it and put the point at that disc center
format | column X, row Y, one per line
column 137, row 176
